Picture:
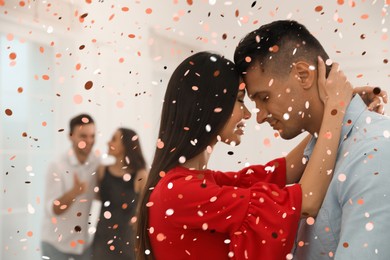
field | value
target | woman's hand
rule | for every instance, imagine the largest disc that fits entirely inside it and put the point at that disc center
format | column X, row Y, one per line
column 335, row 89
column 374, row 97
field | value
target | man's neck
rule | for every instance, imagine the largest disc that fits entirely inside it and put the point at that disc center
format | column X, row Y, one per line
column 82, row 158
column 315, row 120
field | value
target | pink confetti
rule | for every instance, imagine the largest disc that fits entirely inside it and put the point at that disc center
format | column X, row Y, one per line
column 82, row 144
column 120, row 104
column 77, row 99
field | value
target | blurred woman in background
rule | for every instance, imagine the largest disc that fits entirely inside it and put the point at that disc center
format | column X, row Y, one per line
column 119, row 187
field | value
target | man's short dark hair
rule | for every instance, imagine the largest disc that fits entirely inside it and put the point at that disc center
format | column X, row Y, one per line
column 276, row 46
column 82, row 119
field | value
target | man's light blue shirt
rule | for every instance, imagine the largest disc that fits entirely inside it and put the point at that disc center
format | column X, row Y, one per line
column 354, row 220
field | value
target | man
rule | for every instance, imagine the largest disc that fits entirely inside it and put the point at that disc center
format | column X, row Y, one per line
column 70, row 184
column 278, row 62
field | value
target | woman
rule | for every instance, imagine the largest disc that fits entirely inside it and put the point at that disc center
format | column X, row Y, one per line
column 119, row 187
column 190, row 212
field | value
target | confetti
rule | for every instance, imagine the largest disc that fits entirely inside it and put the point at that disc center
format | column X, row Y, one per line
column 88, row 85
column 77, row 99
column 342, row 177
column 8, row 112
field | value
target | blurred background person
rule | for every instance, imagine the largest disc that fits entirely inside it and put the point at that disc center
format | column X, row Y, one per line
column 119, row 187
column 70, row 184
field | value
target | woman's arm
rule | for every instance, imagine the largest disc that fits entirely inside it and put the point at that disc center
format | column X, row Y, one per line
column 100, row 174
column 336, row 93
column 294, row 160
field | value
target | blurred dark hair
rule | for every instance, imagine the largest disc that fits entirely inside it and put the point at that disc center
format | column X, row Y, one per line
column 82, row 119
column 276, row 46
column 134, row 158
column 198, row 102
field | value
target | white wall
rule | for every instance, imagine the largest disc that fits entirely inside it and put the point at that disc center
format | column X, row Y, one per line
column 129, row 93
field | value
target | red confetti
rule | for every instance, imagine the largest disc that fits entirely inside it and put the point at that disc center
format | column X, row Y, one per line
column 318, row 8
column 45, row 77
column 125, row 9
column 364, row 16
column 274, row 48
column 340, row 2
column 88, row 85
column 8, row 112
column 12, row 55
column 148, row 10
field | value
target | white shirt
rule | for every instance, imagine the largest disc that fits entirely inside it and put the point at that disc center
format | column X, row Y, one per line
column 68, row 232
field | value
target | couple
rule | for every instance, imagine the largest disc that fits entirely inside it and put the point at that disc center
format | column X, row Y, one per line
column 191, row 212
column 76, row 179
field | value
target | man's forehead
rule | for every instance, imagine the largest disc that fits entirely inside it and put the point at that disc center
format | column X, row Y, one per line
column 85, row 128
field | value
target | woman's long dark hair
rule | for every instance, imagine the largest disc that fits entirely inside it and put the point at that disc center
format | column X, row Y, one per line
column 198, row 102
column 134, row 158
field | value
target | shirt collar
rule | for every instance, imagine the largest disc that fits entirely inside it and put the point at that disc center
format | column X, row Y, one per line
column 73, row 158
column 355, row 109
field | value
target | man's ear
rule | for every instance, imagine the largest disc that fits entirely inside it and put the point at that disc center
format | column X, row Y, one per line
column 304, row 73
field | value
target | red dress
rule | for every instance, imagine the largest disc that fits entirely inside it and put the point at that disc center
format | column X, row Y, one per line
column 207, row 214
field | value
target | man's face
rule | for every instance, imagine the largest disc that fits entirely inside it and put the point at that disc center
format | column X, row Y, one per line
column 280, row 101
column 83, row 138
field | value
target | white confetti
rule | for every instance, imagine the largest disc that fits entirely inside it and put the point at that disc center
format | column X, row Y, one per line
column 342, row 177
column 169, row 212
column 30, row 209
column 369, row 226
column 182, row 159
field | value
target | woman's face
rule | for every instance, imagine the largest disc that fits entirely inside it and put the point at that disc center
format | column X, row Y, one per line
column 234, row 128
column 115, row 145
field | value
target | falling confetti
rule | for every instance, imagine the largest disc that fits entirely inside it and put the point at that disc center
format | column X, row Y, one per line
column 8, row 112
